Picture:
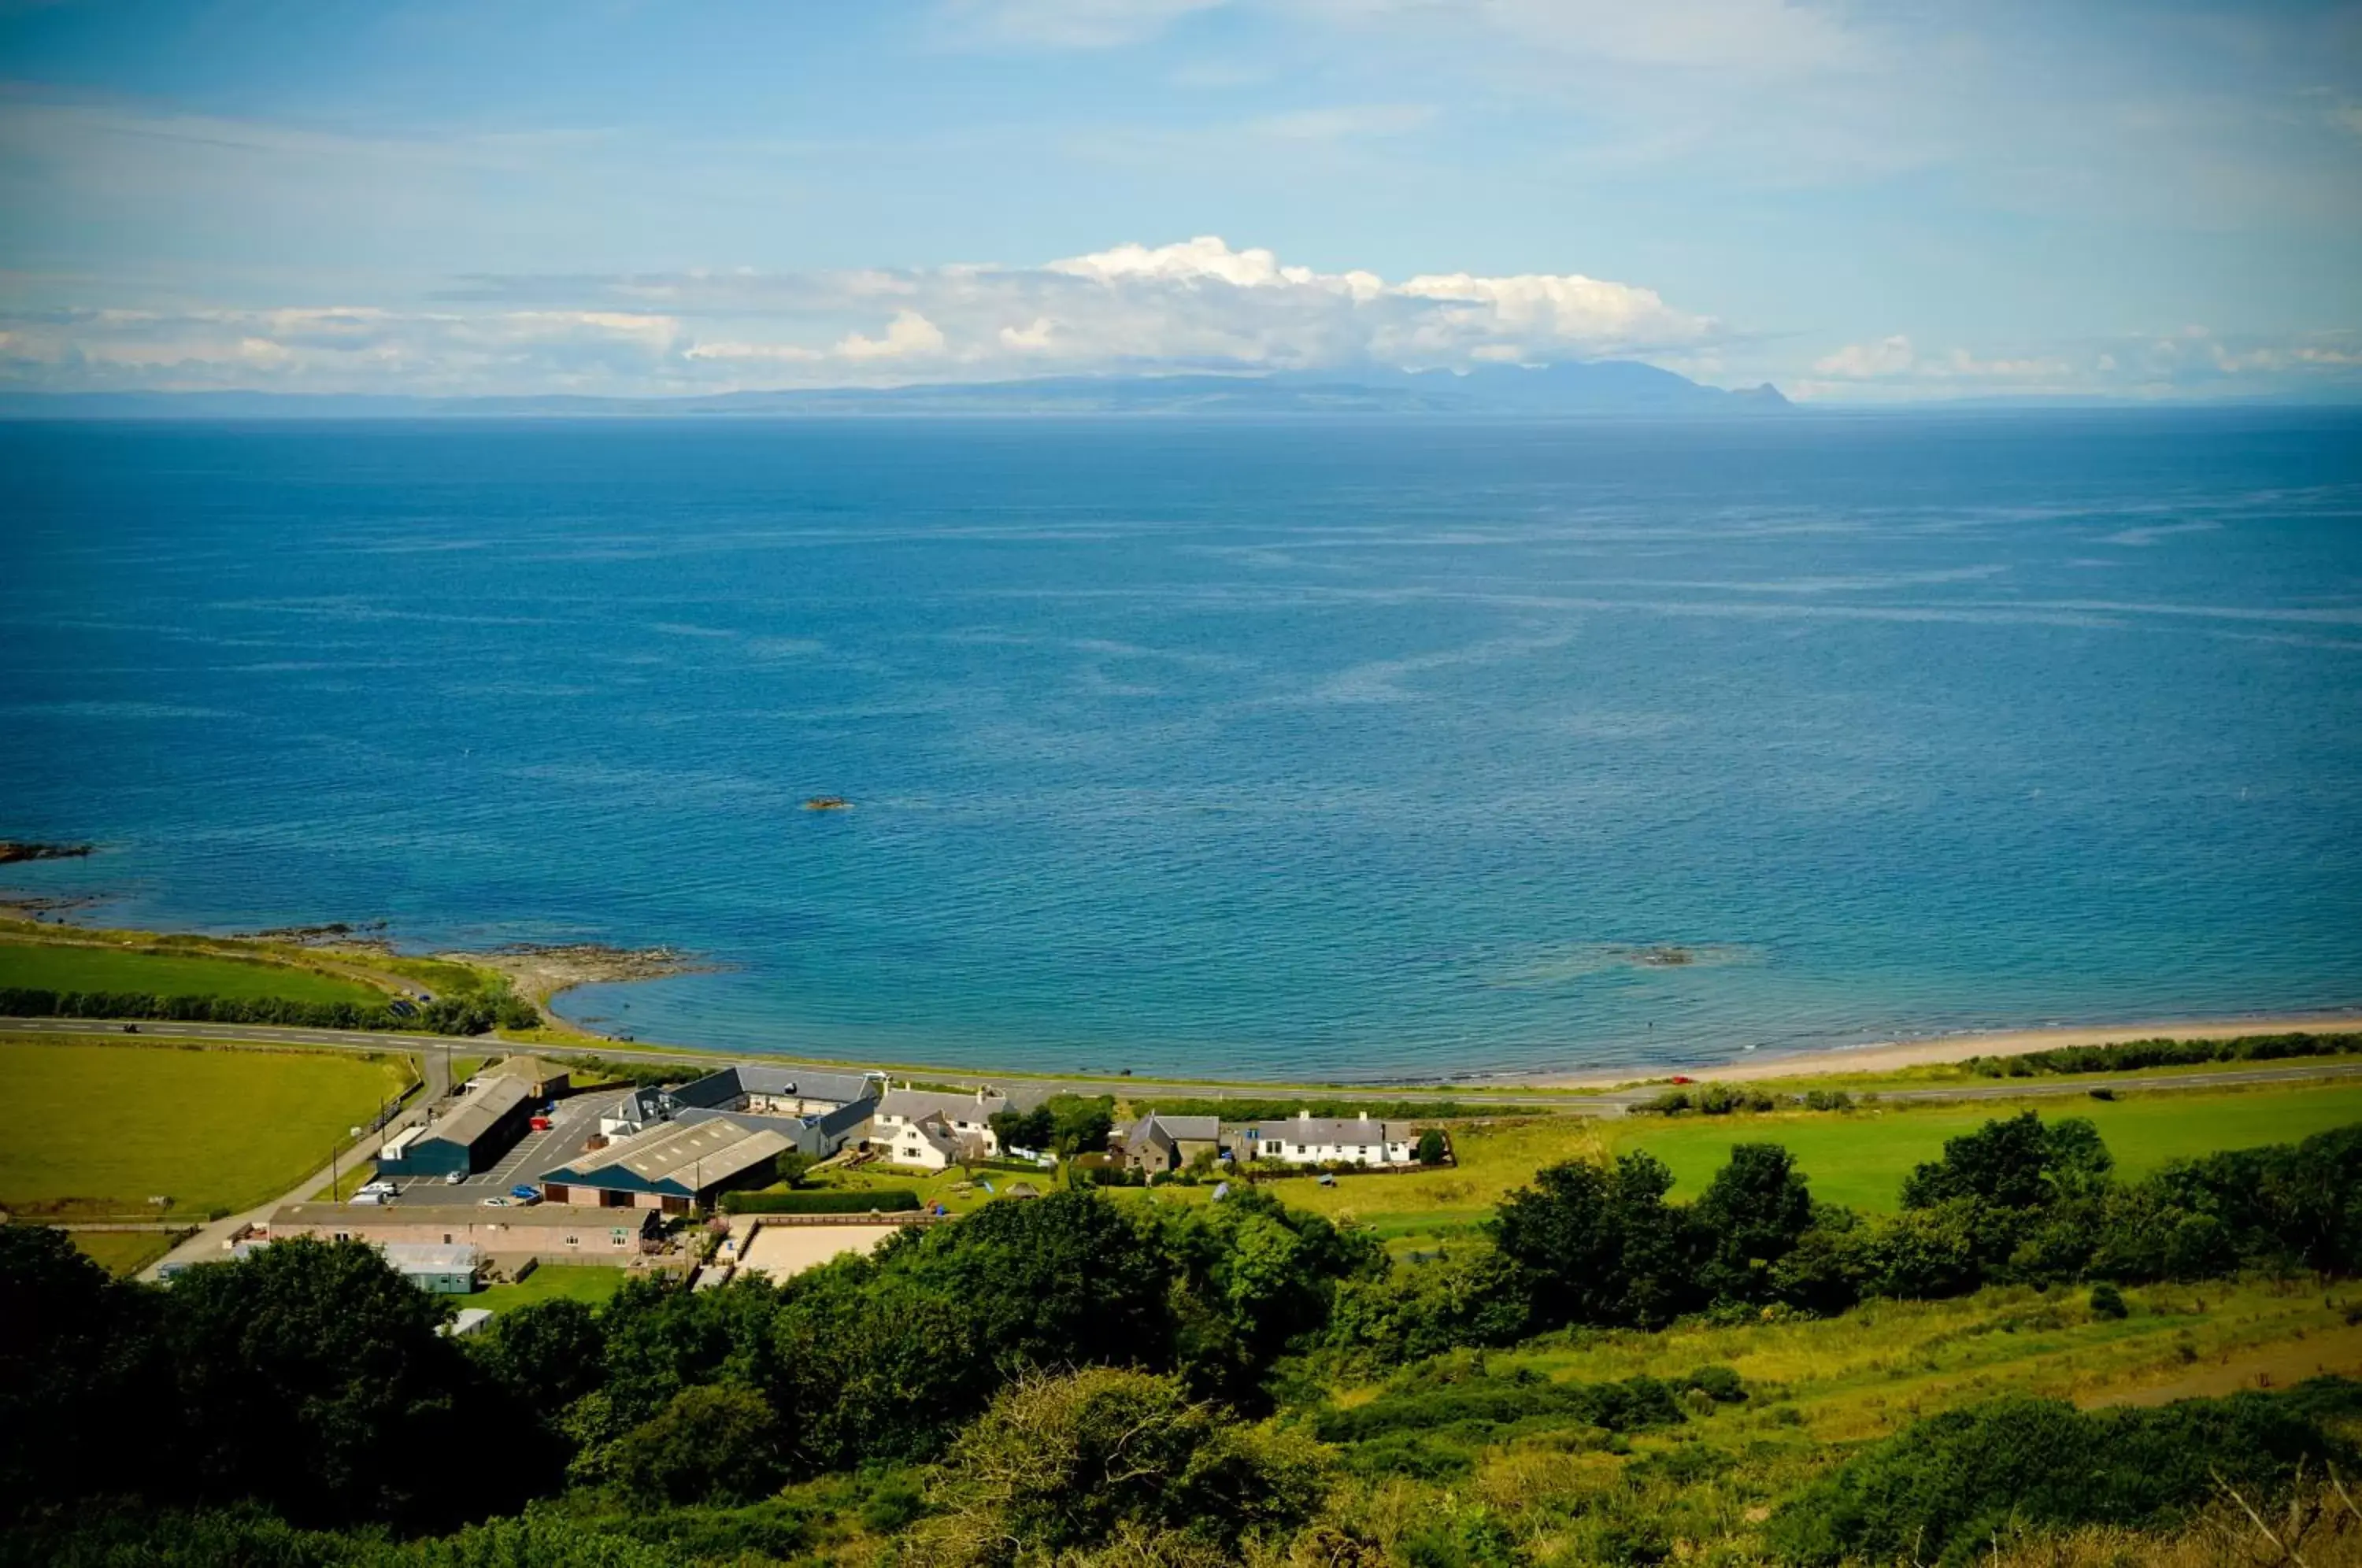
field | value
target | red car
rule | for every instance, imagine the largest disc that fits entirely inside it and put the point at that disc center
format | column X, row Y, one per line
column 541, row 1124
column 1680, row 1079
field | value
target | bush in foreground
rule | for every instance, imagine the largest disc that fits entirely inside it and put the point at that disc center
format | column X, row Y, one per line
column 1944, row 1488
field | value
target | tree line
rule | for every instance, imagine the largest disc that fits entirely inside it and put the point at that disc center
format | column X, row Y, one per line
column 2018, row 1200
column 443, row 1015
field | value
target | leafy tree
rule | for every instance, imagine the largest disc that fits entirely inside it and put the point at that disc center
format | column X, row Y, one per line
column 1750, row 1215
column 311, row 1376
column 1065, row 1462
column 883, row 1357
column 1431, row 1150
column 714, row 1442
column 74, row 1363
column 1021, row 1129
column 2014, row 1163
column 1079, row 1125
column 1600, row 1245
column 548, row 1355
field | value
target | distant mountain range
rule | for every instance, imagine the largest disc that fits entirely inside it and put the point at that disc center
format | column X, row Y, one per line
column 1602, row 388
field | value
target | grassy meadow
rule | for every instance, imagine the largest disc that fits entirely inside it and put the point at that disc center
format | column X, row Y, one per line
column 124, row 1253
column 590, row 1284
column 73, row 966
column 1857, row 1157
column 103, row 1126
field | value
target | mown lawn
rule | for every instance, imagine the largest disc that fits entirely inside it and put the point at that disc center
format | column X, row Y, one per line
column 55, row 966
column 1860, row 1158
column 123, row 1253
column 590, row 1284
column 100, row 1128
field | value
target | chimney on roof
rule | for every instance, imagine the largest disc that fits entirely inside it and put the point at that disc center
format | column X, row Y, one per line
column 1304, row 1115
column 1365, row 1116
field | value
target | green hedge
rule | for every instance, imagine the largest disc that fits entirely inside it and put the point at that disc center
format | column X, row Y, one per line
column 2140, row 1054
column 445, row 1015
column 886, row 1200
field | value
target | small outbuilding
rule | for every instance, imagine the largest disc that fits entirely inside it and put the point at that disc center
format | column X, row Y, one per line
column 438, row 1270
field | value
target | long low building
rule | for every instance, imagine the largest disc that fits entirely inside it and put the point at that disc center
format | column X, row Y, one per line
column 543, row 1232
column 490, row 1117
column 673, row 1166
column 1305, row 1139
column 818, row 1113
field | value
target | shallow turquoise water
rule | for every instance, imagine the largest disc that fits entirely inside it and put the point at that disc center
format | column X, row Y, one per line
column 1359, row 750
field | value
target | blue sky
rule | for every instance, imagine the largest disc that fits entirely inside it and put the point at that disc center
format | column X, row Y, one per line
column 1859, row 202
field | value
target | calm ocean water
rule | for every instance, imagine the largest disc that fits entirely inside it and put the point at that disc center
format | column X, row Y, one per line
column 1356, row 749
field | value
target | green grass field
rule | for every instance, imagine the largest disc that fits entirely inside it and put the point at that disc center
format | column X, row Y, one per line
column 124, row 1253
column 1857, row 1157
column 100, row 1128
column 1860, row 1158
column 55, row 966
column 587, row 1283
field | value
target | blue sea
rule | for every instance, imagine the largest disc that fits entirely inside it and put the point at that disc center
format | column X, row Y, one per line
column 1359, row 750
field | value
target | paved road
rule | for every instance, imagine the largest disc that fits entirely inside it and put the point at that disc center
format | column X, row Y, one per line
column 435, row 1051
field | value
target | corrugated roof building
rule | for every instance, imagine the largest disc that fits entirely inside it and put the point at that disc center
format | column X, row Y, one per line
column 672, row 1167
column 470, row 1137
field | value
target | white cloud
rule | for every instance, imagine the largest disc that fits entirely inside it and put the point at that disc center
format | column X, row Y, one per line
column 1887, row 357
column 909, row 336
column 1196, row 305
column 1062, row 24
column 2188, row 362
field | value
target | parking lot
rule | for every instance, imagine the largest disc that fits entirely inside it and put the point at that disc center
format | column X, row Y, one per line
column 573, row 1120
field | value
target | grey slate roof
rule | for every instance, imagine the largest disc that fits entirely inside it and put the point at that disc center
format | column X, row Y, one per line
column 485, row 1103
column 721, row 1090
column 1325, row 1130
column 674, row 1156
column 912, row 1104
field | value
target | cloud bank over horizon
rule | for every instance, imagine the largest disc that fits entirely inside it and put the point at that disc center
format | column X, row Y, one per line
column 1196, row 305
column 1857, row 203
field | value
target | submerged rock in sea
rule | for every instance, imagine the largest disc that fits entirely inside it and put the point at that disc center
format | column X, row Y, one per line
column 13, row 850
column 828, row 803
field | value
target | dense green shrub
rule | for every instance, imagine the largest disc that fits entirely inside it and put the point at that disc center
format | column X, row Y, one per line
column 1941, row 1489
column 823, row 1200
column 2133, row 1054
column 1599, row 1244
column 1065, row 1462
column 445, row 1015
column 1485, row 1401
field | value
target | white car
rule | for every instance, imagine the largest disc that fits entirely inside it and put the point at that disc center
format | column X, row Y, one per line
column 455, row 1179
column 497, row 1202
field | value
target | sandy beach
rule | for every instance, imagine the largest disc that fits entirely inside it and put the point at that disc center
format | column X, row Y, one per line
column 1890, row 1055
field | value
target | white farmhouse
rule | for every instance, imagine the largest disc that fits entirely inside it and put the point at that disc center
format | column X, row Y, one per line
column 1309, row 1140
column 923, row 1127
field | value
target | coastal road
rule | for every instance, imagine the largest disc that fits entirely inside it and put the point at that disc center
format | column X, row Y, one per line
column 435, row 1052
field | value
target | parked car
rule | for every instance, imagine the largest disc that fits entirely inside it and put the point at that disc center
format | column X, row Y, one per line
column 382, row 1188
column 455, row 1179
column 540, row 1123
column 524, row 1194
column 497, row 1201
